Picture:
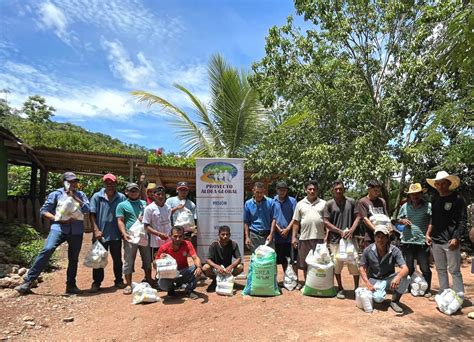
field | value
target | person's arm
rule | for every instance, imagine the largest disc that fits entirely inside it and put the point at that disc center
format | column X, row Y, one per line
column 295, row 228
column 97, row 233
column 402, row 216
column 332, row 227
column 428, row 234
column 121, row 226
column 354, row 226
column 460, row 216
column 236, row 262
column 247, row 221
column 369, row 224
column 85, row 206
column 400, row 261
column 149, row 229
column 197, row 263
column 365, row 279
column 273, row 228
column 284, row 232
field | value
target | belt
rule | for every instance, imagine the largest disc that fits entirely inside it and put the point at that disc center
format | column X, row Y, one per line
column 260, row 233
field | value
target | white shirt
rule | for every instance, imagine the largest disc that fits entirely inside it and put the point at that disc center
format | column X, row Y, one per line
column 159, row 218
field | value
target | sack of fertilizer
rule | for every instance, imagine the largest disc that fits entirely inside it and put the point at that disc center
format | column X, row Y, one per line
column 262, row 277
column 418, row 285
column 448, row 301
column 320, row 274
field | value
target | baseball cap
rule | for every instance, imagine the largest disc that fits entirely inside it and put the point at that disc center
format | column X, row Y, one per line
column 69, row 176
column 382, row 229
column 281, row 185
column 109, row 176
column 182, row 186
column 159, row 188
column 131, row 186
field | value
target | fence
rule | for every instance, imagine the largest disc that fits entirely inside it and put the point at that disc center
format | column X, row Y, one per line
column 24, row 210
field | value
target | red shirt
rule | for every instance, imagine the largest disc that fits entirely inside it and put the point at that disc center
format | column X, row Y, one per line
column 181, row 255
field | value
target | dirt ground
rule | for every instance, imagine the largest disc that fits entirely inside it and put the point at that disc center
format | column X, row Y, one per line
column 110, row 316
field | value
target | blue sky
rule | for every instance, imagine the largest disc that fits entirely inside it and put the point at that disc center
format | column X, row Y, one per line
column 85, row 56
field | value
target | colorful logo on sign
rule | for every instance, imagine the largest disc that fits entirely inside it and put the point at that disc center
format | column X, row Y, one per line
column 219, row 173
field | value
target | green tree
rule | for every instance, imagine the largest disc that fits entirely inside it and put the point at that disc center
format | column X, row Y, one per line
column 229, row 126
column 36, row 109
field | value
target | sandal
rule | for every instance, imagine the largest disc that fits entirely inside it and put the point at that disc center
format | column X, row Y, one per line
column 127, row 290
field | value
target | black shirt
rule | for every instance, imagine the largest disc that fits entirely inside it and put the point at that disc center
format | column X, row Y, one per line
column 448, row 218
column 222, row 255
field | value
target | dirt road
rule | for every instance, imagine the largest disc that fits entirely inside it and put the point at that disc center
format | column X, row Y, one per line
column 109, row 315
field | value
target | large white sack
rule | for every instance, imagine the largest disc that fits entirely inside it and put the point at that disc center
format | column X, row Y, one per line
column 225, row 284
column 166, row 268
column 448, row 301
column 364, row 299
column 144, row 293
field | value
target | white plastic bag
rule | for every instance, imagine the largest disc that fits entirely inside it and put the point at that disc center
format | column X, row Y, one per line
column 321, row 254
column 418, row 284
column 448, row 301
column 69, row 208
column 144, row 293
column 225, row 284
column 184, row 218
column 97, row 257
column 290, row 279
column 138, row 235
column 364, row 299
column 166, row 268
column 379, row 292
column 346, row 251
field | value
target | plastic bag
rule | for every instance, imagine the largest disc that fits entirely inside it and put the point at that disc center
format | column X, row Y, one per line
column 290, row 280
column 67, row 209
column 144, row 293
column 380, row 292
column 346, row 251
column 364, row 299
column 97, row 257
column 184, row 218
column 448, row 301
column 262, row 277
column 320, row 275
column 225, row 284
column 138, row 235
column 418, row 284
column 166, row 268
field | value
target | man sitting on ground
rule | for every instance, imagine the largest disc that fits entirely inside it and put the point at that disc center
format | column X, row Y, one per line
column 378, row 262
column 180, row 249
column 219, row 258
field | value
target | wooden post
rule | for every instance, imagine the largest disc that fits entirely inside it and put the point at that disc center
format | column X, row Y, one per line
column 33, row 181
column 42, row 186
column 3, row 179
column 130, row 162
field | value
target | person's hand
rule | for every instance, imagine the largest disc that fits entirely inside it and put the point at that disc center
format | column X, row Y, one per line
column 348, row 234
column 406, row 222
column 370, row 286
column 294, row 242
column 179, row 206
column 284, row 232
column 248, row 243
column 197, row 271
column 126, row 237
column 395, row 283
column 163, row 255
column 341, row 232
column 220, row 269
column 228, row 270
column 162, row 236
column 453, row 244
column 428, row 240
column 140, row 218
column 269, row 239
column 98, row 234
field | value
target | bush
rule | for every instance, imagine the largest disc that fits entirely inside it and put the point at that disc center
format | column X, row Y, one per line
column 26, row 252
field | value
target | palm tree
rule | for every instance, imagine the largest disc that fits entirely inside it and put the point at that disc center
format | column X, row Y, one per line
column 229, row 126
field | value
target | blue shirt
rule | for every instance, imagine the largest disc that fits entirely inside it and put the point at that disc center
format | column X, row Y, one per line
column 76, row 227
column 282, row 214
column 259, row 216
column 104, row 211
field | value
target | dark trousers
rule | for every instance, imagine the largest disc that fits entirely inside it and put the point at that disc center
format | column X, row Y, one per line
column 115, row 249
column 421, row 254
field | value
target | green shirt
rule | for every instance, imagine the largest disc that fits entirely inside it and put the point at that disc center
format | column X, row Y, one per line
column 130, row 211
column 420, row 218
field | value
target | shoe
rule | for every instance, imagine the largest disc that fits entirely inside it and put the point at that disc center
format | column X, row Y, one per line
column 72, row 289
column 212, row 286
column 298, row 287
column 428, row 295
column 94, row 288
column 24, row 288
column 340, row 294
column 120, row 285
column 172, row 293
column 192, row 295
column 395, row 307
column 127, row 290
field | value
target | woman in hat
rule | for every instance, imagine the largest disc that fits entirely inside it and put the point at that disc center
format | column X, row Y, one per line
column 415, row 214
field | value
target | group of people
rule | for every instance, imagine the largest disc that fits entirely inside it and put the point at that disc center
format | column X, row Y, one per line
column 292, row 228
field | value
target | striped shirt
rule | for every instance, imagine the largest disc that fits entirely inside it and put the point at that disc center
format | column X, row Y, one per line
column 420, row 219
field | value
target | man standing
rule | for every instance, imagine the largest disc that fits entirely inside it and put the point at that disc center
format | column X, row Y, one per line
column 370, row 205
column 219, row 258
column 341, row 219
column 308, row 218
column 69, row 230
column 257, row 218
column 157, row 219
column 104, row 222
column 378, row 262
column 415, row 214
column 181, row 203
column 448, row 226
column 283, row 210
column 128, row 212
column 180, row 250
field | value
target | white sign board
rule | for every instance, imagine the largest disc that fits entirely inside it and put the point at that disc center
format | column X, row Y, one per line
column 219, row 200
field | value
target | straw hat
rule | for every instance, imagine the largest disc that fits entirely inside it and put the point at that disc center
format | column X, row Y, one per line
column 455, row 181
column 414, row 188
column 151, row 186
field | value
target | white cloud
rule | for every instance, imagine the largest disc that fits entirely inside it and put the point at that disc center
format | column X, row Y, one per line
column 51, row 17
column 132, row 134
column 136, row 74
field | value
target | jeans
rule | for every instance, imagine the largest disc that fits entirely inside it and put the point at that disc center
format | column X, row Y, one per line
column 421, row 254
column 402, row 286
column 446, row 261
column 186, row 277
column 115, row 248
column 54, row 240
